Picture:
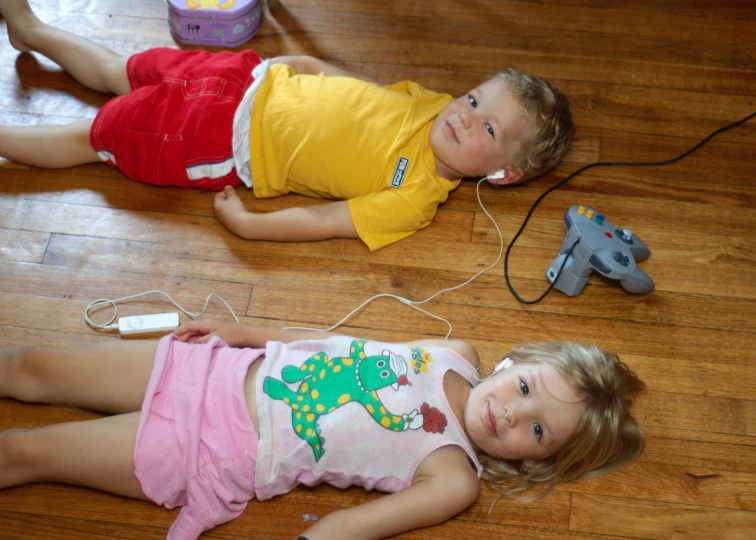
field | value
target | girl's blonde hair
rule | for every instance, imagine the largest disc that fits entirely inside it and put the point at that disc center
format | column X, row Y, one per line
column 607, row 436
column 548, row 112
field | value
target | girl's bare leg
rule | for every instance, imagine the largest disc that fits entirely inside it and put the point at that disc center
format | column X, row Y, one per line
column 53, row 147
column 93, row 65
column 110, row 378
column 94, row 453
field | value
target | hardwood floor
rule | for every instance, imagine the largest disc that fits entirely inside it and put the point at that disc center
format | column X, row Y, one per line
column 646, row 80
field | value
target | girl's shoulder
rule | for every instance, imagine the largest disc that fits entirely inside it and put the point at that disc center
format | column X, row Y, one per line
column 462, row 348
column 451, row 464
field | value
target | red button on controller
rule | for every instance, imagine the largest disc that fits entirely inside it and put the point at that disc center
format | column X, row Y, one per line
column 608, row 234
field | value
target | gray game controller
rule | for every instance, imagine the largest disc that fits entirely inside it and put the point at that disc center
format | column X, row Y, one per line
column 603, row 247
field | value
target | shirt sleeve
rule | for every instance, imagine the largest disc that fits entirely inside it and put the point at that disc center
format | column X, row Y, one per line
column 385, row 217
column 401, row 86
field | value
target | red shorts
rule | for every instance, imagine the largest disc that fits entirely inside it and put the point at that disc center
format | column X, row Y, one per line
column 178, row 115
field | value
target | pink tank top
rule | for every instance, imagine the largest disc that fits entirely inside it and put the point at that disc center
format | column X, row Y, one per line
column 353, row 412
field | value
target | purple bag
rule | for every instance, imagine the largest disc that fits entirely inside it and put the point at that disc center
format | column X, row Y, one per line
column 222, row 23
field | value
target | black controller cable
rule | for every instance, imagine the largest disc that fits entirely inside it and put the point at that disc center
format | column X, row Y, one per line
column 585, row 168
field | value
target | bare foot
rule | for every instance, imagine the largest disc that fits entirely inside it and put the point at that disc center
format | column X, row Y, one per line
column 20, row 20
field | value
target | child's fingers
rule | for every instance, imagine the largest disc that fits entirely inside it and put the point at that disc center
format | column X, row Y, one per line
column 190, row 329
column 184, row 336
column 184, row 328
column 181, row 332
column 230, row 193
column 197, row 339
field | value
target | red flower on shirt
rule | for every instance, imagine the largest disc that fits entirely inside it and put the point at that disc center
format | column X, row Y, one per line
column 434, row 421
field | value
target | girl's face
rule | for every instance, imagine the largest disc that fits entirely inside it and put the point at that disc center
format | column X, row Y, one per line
column 526, row 412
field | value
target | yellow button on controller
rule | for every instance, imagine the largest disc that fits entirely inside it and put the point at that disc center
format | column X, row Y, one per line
column 581, row 210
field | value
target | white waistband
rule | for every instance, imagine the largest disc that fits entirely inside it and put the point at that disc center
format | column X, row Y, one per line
column 242, row 117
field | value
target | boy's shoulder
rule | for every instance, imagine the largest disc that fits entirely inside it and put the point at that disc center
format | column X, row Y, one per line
column 416, row 89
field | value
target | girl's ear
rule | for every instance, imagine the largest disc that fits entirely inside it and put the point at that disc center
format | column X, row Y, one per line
column 528, row 463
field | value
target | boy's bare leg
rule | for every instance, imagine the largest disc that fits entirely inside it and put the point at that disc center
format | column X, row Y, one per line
column 54, row 147
column 109, row 378
column 94, row 453
column 91, row 64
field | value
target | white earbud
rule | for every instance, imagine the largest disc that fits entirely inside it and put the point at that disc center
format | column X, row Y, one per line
column 504, row 364
column 498, row 175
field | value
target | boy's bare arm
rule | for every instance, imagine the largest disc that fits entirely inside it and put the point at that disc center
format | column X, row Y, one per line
column 309, row 65
column 297, row 224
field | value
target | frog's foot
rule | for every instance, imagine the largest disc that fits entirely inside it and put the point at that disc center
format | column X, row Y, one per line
column 292, row 374
column 278, row 390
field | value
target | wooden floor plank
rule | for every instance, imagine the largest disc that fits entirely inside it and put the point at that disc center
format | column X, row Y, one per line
column 699, row 435
column 87, row 286
column 700, row 455
column 673, row 484
column 728, row 270
column 614, row 515
column 22, row 246
column 364, row 280
column 22, row 525
column 11, row 336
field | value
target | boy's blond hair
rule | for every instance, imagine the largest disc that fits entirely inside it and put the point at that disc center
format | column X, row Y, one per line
column 550, row 120
column 607, row 436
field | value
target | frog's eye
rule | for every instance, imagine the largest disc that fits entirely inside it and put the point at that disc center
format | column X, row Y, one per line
column 384, row 374
column 381, row 363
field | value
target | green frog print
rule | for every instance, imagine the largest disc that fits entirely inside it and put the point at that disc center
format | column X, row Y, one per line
column 327, row 384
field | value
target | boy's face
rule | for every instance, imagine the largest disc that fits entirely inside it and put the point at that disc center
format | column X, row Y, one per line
column 527, row 412
column 480, row 133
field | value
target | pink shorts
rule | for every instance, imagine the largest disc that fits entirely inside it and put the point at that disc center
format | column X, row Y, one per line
column 196, row 444
column 175, row 127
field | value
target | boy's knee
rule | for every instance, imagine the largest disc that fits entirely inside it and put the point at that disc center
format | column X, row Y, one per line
column 116, row 77
column 84, row 127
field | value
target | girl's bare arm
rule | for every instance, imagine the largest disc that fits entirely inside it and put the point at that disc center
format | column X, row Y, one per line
column 242, row 335
column 443, row 486
column 247, row 335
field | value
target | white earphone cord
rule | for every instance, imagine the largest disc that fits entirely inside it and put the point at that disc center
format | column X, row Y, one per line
column 412, row 303
column 104, row 301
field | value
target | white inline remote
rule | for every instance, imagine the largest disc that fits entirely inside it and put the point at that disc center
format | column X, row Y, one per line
column 142, row 324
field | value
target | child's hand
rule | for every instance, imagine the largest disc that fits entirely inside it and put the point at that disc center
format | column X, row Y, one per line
column 202, row 331
column 228, row 207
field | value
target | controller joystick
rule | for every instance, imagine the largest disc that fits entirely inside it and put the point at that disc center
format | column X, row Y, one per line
column 609, row 250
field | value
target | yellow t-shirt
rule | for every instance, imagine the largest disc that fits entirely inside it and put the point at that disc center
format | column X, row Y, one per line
column 342, row 138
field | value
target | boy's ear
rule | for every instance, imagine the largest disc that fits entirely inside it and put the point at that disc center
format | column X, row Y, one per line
column 513, row 175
